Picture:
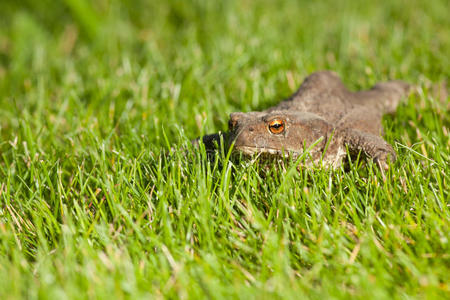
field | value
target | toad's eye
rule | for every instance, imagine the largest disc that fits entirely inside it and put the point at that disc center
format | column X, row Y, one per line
column 276, row 126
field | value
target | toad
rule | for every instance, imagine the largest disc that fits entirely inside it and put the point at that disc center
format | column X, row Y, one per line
column 322, row 116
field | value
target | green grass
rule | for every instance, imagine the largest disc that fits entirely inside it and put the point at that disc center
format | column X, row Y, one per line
column 94, row 93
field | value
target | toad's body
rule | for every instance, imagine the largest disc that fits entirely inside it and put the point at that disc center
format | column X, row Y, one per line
column 322, row 111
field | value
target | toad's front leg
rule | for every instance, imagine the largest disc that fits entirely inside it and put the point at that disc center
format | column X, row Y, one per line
column 372, row 146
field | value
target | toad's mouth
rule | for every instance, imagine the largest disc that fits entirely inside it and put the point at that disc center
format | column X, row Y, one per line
column 251, row 151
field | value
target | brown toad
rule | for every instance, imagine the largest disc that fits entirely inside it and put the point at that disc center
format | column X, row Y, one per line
column 321, row 111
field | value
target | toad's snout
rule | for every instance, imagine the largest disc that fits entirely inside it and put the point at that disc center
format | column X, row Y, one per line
column 245, row 136
column 246, row 132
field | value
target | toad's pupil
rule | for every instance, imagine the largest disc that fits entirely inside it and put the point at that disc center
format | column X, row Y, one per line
column 276, row 127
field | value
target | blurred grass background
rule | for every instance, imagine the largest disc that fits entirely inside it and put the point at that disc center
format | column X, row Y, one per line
column 92, row 91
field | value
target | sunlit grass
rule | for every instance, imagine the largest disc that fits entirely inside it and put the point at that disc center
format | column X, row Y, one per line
column 102, row 196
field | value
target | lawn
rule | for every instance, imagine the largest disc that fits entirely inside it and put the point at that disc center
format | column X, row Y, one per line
column 101, row 195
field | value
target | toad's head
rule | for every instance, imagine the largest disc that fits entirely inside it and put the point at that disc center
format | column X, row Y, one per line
column 278, row 133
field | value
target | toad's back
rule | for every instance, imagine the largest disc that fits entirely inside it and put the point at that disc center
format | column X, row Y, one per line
column 324, row 94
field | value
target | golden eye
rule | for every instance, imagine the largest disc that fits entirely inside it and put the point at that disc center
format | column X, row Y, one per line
column 276, row 126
